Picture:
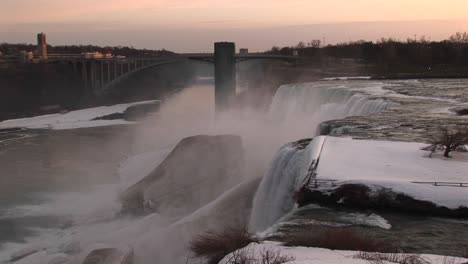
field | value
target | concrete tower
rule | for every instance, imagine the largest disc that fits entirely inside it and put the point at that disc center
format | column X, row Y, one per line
column 225, row 74
column 42, row 46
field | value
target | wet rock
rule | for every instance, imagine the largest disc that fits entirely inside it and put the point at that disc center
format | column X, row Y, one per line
column 359, row 196
column 134, row 112
column 198, row 170
column 462, row 112
column 113, row 116
column 109, row 256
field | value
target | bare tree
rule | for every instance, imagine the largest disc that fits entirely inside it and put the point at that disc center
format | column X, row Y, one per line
column 448, row 139
column 459, row 37
column 315, row 43
column 301, row 45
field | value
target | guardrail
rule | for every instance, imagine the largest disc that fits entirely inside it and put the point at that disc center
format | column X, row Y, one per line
column 315, row 183
column 450, row 184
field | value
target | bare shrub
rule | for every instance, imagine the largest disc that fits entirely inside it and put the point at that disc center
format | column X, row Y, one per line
column 401, row 258
column 273, row 257
column 241, row 256
column 213, row 246
column 338, row 239
column 448, row 139
column 266, row 256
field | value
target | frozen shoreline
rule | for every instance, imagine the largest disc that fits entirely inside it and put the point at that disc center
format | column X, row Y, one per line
column 73, row 119
column 305, row 255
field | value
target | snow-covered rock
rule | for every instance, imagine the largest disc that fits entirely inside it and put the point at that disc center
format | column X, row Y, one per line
column 215, row 161
column 395, row 166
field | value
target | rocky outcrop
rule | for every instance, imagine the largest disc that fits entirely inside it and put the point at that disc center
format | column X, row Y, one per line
column 462, row 111
column 134, row 112
column 360, row 196
column 197, row 171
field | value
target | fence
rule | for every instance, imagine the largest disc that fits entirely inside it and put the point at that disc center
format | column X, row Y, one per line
column 450, row 184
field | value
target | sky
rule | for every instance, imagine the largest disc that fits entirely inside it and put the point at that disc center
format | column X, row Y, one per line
column 193, row 25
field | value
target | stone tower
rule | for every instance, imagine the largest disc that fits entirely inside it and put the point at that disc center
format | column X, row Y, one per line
column 42, row 46
column 225, row 74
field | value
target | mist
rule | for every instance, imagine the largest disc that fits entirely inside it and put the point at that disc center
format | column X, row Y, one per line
column 163, row 236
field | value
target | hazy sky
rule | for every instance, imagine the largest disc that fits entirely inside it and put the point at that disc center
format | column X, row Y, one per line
column 192, row 25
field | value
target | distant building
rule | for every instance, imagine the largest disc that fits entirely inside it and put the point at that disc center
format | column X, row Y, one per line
column 26, row 56
column 295, row 53
column 97, row 55
column 42, row 46
column 243, row 51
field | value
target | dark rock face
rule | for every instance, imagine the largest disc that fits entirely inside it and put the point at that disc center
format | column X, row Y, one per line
column 109, row 256
column 134, row 112
column 362, row 197
column 198, row 170
column 302, row 144
column 462, row 112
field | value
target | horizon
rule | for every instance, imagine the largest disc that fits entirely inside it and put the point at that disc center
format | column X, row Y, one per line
column 193, row 26
column 328, row 33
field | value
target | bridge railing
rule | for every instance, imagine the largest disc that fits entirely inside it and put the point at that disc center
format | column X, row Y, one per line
column 315, row 183
column 449, row 184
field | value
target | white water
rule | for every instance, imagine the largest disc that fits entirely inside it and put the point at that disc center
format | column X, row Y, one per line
column 295, row 113
column 275, row 196
column 320, row 102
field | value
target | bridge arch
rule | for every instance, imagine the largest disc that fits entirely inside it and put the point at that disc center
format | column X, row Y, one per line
column 101, row 75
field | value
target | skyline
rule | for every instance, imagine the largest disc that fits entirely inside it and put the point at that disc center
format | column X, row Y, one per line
column 188, row 26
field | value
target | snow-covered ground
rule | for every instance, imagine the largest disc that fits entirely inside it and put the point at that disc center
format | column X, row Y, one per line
column 304, row 255
column 395, row 165
column 73, row 119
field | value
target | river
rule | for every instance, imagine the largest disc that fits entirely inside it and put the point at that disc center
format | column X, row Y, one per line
column 57, row 185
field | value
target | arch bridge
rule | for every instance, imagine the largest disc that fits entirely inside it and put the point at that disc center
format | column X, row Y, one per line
column 101, row 75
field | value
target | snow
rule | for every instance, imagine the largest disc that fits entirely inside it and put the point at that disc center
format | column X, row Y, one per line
column 305, row 255
column 73, row 119
column 395, row 165
column 345, row 78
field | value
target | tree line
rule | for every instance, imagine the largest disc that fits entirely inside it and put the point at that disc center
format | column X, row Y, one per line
column 388, row 53
column 15, row 49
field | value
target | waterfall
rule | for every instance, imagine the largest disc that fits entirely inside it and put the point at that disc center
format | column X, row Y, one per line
column 307, row 104
column 274, row 197
column 323, row 101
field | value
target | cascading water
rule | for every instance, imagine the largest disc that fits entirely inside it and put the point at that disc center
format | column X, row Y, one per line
column 288, row 172
column 309, row 104
column 321, row 101
column 274, row 196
